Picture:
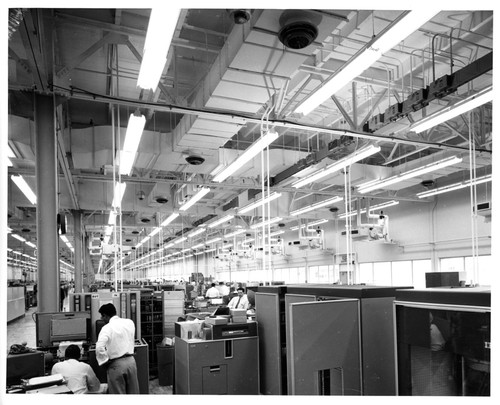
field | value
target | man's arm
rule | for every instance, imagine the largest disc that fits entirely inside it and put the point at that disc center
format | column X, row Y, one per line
column 93, row 383
column 101, row 352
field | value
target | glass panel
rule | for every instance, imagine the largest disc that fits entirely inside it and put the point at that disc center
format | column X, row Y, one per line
column 323, row 275
column 382, row 273
column 301, row 275
column 366, row 273
column 420, row 267
column 443, row 352
column 313, row 274
column 402, row 274
column 451, row 264
column 484, row 270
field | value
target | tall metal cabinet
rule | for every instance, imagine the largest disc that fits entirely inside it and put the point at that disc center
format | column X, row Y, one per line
column 321, row 332
column 443, row 341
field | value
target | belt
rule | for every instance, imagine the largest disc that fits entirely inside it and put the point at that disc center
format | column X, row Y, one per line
column 121, row 357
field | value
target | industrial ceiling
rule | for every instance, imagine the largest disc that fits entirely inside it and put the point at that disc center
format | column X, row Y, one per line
column 231, row 75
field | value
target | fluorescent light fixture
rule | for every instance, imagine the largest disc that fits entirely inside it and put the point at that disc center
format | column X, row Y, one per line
column 212, row 241
column 10, row 154
column 176, row 242
column 220, row 221
column 267, row 222
column 154, row 232
column 195, row 198
column 356, row 156
column 199, row 253
column 363, row 59
column 317, row 205
column 259, row 203
column 112, row 218
column 281, row 232
column 145, row 240
column 455, row 186
column 24, row 187
column 18, row 237
column 453, row 111
column 372, row 208
column 31, row 245
column 197, row 232
column 374, row 185
column 185, row 250
column 133, row 136
column 64, row 238
column 199, row 245
column 252, row 151
column 161, row 27
column 118, row 194
column 238, row 232
column 170, row 218
column 314, row 223
column 210, row 250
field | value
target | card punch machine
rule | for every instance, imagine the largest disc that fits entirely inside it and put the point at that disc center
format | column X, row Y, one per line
column 215, row 327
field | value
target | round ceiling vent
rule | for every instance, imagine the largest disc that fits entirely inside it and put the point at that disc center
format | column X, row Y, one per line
column 299, row 28
column 427, row 183
column 26, row 230
column 135, row 232
column 195, row 160
column 161, row 200
column 145, row 220
column 240, row 16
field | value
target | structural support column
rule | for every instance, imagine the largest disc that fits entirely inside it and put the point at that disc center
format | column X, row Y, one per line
column 78, row 238
column 47, row 204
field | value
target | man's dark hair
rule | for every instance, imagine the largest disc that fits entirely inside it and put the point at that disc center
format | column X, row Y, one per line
column 108, row 309
column 72, row 352
column 213, row 284
column 240, row 289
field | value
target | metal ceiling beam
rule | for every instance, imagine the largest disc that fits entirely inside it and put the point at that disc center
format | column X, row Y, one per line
column 230, row 116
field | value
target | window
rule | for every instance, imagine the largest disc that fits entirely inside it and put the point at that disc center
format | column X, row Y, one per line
column 366, row 273
column 382, row 273
column 402, row 274
column 420, row 267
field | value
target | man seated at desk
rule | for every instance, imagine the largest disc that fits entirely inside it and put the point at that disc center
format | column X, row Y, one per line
column 240, row 301
column 80, row 376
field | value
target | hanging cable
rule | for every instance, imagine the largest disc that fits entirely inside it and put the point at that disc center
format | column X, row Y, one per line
column 473, row 200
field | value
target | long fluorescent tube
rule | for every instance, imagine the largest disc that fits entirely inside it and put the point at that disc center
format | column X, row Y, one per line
column 372, row 208
column 259, row 202
column 155, row 231
column 265, row 223
column 238, row 232
column 254, row 149
column 133, row 136
column 314, row 223
column 197, row 232
column 356, row 156
column 453, row 111
column 221, row 221
column 195, row 198
column 363, row 59
column 455, row 186
column 176, row 242
column 212, row 241
column 161, row 27
column 118, row 194
column 10, row 154
column 374, row 185
column 170, row 218
column 18, row 237
column 314, row 206
column 24, row 187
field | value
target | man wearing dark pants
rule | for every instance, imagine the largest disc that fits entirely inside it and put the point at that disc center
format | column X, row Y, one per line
column 115, row 350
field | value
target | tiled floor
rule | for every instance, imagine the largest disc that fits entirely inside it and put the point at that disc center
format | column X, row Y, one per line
column 23, row 330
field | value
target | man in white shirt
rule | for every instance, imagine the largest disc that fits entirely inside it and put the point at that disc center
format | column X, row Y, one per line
column 212, row 292
column 240, row 301
column 80, row 377
column 115, row 350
